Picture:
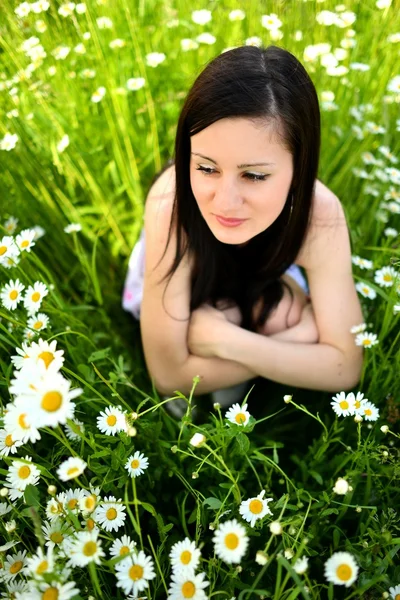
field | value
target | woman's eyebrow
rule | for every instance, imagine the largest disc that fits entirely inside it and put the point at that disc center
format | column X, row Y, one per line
column 244, row 166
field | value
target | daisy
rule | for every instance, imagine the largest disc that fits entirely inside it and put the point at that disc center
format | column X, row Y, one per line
column 13, row 565
column 394, row 592
column 230, row 541
column 56, row 532
column 391, row 232
column 255, row 508
column 84, row 548
column 201, row 17
column 87, row 503
column 50, row 403
column 341, row 569
column 358, row 328
column 366, row 339
column 13, row 588
column 21, row 474
column 359, row 399
column 17, row 423
column 38, row 322
column 11, row 294
column 134, row 572
column 301, row 565
column 365, row 290
column 271, row 21
column 386, row 276
column 70, row 468
column 343, row 405
column 187, row 586
column 70, row 500
column 237, row 414
column 8, row 443
column 122, row 546
column 111, row 421
column 54, row 509
column 40, row 563
column 8, row 248
column 45, row 351
column 4, row 510
column 368, row 411
column 55, row 589
column 185, row 557
column 34, row 296
column 110, row 514
column 24, row 240
column 363, row 263
column 11, row 225
column 136, row 464
column 73, row 227
column 70, row 433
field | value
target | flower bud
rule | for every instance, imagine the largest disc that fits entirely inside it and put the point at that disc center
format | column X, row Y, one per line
column 385, row 428
column 261, row 558
column 197, row 440
column 52, row 490
column 275, row 528
column 287, row 398
column 132, row 431
column 358, row 419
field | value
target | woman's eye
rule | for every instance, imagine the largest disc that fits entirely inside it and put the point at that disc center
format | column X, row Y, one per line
column 250, row 176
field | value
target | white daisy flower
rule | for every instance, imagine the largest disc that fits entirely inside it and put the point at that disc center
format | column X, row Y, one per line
column 71, row 468
column 368, row 411
column 84, row 548
column 38, row 322
column 230, row 541
column 206, row 38
column 201, row 17
column 42, row 350
column 365, row 290
column 15, row 587
column 341, row 486
column 253, row 41
column 40, row 563
column 70, row 433
column 343, row 405
column 4, row 510
column 88, row 503
column 70, row 500
column 341, row 569
column 136, row 464
column 11, row 294
column 185, row 557
column 135, row 83
column 359, row 400
column 367, row 340
column 122, row 546
column 8, row 443
column 188, row 586
column 391, row 232
column 111, row 421
column 153, row 59
column 301, row 565
column 14, row 493
column 110, row 514
column 21, row 474
column 255, row 508
column 236, row 15
column 8, row 248
column 363, row 263
column 55, row 532
column 16, row 422
column 10, row 225
column 73, row 227
column 34, row 296
column 358, row 328
column 28, row 379
column 54, row 510
column 386, row 276
column 271, row 21
column 13, row 564
column 55, row 589
column 238, row 414
column 24, row 240
column 394, row 592
column 50, row 403
column 134, row 572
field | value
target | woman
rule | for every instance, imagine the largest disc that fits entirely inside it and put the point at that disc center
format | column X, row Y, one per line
column 226, row 300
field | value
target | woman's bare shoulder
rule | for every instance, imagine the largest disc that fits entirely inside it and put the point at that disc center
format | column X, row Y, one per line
column 327, row 211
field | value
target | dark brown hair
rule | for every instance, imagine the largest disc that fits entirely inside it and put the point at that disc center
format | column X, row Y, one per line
column 261, row 84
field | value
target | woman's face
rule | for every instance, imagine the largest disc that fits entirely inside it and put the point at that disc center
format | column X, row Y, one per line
column 224, row 184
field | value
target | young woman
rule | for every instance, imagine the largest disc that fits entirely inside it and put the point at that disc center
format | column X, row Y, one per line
column 228, row 225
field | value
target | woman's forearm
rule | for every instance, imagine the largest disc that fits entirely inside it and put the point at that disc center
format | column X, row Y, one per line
column 312, row 366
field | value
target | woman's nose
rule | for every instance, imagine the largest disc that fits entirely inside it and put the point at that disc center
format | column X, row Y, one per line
column 227, row 195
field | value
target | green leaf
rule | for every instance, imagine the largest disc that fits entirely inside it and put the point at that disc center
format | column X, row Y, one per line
column 99, row 354
column 213, row 503
column 316, row 476
column 329, row 511
column 243, row 442
column 31, row 495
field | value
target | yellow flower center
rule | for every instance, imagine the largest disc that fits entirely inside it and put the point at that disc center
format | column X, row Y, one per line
column 47, row 357
column 344, row 404
column 16, row 567
column 124, row 550
column 21, row 421
column 50, row 594
column 397, row 597
column 387, row 277
column 368, row 412
column 43, row 566
column 90, row 502
column 72, row 471
column 231, row 541
column 240, row 418
column 25, row 244
column 136, row 572
column 13, row 295
column 367, row 342
column 52, row 401
column 256, row 506
column 3, row 250
column 188, row 589
column 56, row 537
column 111, row 420
column 135, row 463
column 357, row 404
column 24, row 472
column 72, row 503
column 35, row 297
column 9, row 441
column 37, row 325
column 186, row 557
column 343, row 572
column 365, row 290
column 111, row 514
column 90, row 524
column 89, row 548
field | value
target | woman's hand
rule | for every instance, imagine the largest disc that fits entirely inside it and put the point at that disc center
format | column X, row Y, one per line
column 206, row 328
column 307, row 330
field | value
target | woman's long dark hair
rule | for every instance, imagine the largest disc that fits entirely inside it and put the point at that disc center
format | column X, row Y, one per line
column 259, row 84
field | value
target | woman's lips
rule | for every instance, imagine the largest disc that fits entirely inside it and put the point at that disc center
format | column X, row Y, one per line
column 229, row 222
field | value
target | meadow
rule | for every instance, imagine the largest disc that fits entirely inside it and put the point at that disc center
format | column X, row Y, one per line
column 103, row 493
